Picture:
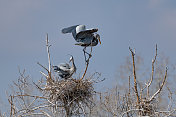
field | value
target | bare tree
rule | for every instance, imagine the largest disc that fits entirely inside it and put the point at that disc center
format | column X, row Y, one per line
column 139, row 99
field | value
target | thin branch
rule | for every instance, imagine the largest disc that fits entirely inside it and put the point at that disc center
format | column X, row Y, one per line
column 32, row 109
column 169, row 112
column 11, row 104
column 157, row 92
column 38, row 87
column 43, row 66
column 170, row 98
column 48, row 77
column 48, row 46
column 30, row 96
column 87, row 64
column 43, row 74
column 45, row 113
column 32, row 102
column 130, row 111
column 129, row 88
column 153, row 63
column 30, row 114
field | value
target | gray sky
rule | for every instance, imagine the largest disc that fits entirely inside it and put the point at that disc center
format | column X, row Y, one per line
column 139, row 24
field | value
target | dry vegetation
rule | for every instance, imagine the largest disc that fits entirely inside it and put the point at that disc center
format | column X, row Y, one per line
column 52, row 97
column 139, row 98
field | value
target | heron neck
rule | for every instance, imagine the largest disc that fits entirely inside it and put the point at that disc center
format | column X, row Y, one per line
column 73, row 65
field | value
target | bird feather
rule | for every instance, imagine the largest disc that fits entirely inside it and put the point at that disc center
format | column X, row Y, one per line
column 69, row 29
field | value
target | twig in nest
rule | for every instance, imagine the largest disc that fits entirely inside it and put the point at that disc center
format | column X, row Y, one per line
column 43, row 74
column 38, row 87
column 48, row 77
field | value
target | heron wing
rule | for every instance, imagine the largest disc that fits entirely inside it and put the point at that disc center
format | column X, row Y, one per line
column 63, row 74
column 69, row 29
column 84, row 41
column 65, row 65
column 86, row 33
column 63, row 71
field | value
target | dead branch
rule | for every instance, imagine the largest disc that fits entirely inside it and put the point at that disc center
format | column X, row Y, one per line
column 27, row 95
column 43, row 74
column 153, row 62
column 48, row 77
column 167, row 113
column 11, row 103
column 130, row 111
column 45, row 113
column 129, row 88
column 157, row 92
column 134, row 74
column 87, row 64
column 48, row 46
column 43, row 67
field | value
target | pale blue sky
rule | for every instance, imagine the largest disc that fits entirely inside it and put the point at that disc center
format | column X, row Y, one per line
column 121, row 23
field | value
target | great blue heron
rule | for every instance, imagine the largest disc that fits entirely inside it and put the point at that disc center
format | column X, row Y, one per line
column 84, row 37
column 64, row 70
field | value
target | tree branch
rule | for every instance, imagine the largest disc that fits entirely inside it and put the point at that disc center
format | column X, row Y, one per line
column 157, row 92
column 87, row 64
column 150, row 82
column 134, row 74
column 48, row 46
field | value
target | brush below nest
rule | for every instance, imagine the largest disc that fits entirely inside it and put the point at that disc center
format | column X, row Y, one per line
column 70, row 91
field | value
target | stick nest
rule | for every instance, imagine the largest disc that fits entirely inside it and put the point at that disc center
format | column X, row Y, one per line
column 70, row 91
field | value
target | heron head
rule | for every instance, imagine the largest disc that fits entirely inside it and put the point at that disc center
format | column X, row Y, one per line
column 95, row 30
column 98, row 37
column 71, row 58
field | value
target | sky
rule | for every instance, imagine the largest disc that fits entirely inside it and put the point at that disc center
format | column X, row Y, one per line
column 139, row 24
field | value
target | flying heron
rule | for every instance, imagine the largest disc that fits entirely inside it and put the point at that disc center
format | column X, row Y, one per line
column 64, row 70
column 84, row 37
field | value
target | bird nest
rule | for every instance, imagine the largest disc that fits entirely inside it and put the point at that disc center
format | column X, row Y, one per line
column 70, row 91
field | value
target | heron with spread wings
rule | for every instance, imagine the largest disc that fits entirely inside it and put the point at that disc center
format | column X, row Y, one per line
column 84, row 37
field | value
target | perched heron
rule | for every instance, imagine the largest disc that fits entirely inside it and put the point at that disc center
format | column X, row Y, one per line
column 64, row 70
column 84, row 37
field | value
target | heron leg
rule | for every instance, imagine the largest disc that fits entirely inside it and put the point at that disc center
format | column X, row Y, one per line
column 89, row 54
column 84, row 50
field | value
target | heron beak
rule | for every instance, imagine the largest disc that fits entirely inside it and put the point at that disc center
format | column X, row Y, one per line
column 99, row 40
